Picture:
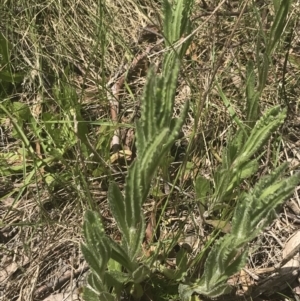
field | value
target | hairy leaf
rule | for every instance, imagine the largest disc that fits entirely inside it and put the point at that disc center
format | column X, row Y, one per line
column 117, row 206
column 261, row 132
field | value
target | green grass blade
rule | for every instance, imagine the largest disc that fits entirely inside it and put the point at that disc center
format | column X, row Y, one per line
column 278, row 25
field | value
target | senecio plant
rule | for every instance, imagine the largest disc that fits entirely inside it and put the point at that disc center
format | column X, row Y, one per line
column 115, row 266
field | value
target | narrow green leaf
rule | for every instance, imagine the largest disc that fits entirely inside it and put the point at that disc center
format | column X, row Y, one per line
column 237, row 262
column 181, row 264
column 235, row 146
column 276, row 4
column 117, row 206
column 263, row 70
column 175, row 126
column 5, row 49
column 136, row 235
column 222, row 178
column 261, row 132
column 230, row 109
column 268, row 180
column 245, row 171
column 178, row 20
column 140, row 138
column 92, row 222
column 151, row 159
column 278, row 24
column 9, row 77
column 133, row 195
column 92, row 260
column 251, row 96
column 168, row 22
column 170, row 77
column 97, row 246
column 276, row 195
column 148, row 107
column 241, row 219
column 18, row 129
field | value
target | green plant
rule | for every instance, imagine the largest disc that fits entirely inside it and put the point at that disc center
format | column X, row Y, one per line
column 156, row 131
column 8, row 78
column 254, row 209
column 116, row 267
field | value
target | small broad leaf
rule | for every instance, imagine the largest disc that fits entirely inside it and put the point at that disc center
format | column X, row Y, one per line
column 95, row 283
column 186, row 290
column 224, row 226
column 92, row 222
column 119, row 276
column 116, row 280
column 140, row 274
column 203, row 189
column 136, row 291
column 181, row 264
column 90, row 295
column 120, row 255
column 21, row 110
column 169, row 273
column 113, row 265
